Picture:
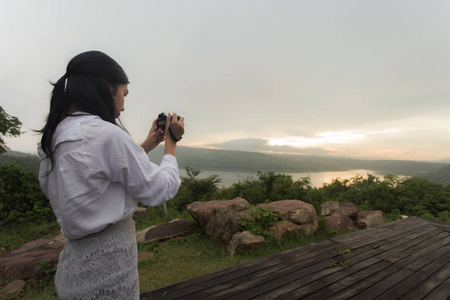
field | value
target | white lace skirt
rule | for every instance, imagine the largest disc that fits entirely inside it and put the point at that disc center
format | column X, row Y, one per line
column 100, row 266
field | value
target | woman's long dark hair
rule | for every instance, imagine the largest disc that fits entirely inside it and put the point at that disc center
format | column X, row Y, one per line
column 86, row 86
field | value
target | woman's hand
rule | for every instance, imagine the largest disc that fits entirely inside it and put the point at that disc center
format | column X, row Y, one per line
column 154, row 138
column 177, row 130
column 177, row 127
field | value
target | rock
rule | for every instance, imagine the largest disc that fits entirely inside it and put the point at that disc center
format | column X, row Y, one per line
column 329, row 208
column 339, row 222
column 243, row 241
column 20, row 263
column 341, row 208
column 348, row 209
column 142, row 255
column 309, row 228
column 165, row 230
column 295, row 211
column 367, row 219
column 14, row 287
column 281, row 228
column 220, row 219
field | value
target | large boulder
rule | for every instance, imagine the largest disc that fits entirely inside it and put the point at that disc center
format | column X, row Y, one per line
column 21, row 263
column 295, row 211
column 282, row 228
column 341, row 208
column 242, row 241
column 367, row 219
column 165, row 230
column 220, row 219
column 339, row 222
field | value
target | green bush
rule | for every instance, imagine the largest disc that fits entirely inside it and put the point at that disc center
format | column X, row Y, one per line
column 193, row 189
column 261, row 219
column 268, row 187
column 21, row 198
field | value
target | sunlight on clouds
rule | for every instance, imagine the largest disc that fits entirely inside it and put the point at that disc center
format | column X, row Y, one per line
column 329, row 137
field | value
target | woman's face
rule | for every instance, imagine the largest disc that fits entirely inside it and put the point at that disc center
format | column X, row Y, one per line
column 119, row 98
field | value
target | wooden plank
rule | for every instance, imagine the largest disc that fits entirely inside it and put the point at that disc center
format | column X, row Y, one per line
column 295, row 264
column 433, row 282
column 418, row 262
column 413, row 250
column 305, row 250
column 278, row 290
column 276, row 287
column 328, row 282
column 358, row 276
column 309, row 289
column 383, row 285
column 417, row 278
column 267, row 282
column 381, row 237
column 377, row 248
column 419, row 242
column 362, row 285
column 442, row 292
column 383, row 230
column 423, row 253
column 394, row 244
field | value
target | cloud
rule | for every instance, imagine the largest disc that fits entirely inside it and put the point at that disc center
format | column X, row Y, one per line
column 327, row 138
column 263, row 145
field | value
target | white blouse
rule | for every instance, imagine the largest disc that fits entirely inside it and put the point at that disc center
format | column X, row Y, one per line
column 100, row 175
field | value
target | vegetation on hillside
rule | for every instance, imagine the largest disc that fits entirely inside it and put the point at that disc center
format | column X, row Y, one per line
column 442, row 175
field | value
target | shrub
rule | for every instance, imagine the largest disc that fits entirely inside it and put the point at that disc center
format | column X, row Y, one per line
column 261, row 219
column 194, row 189
column 21, row 198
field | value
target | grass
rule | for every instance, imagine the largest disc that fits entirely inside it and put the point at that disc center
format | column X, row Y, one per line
column 174, row 260
column 13, row 236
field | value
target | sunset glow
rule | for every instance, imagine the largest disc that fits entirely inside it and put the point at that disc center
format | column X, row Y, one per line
column 324, row 138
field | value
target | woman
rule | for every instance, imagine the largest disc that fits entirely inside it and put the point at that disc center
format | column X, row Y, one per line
column 94, row 175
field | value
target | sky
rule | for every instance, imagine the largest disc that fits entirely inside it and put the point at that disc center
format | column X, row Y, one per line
column 360, row 79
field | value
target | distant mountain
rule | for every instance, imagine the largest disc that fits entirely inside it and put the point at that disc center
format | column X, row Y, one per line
column 442, row 175
column 444, row 160
column 227, row 160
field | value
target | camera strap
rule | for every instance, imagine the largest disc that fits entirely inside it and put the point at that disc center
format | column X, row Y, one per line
column 172, row 135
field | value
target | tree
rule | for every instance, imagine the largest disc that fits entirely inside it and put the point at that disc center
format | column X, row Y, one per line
column 9, row 126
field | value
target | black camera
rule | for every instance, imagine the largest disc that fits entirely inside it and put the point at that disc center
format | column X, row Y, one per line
column 161, row 122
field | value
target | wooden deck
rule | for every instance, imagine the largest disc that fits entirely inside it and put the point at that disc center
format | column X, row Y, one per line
column 407, row 259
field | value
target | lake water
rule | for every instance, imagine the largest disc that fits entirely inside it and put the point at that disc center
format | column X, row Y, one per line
column 317, row 178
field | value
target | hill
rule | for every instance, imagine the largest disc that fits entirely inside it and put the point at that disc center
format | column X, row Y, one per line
column 212, row 159
column 442, row 175
column 28, row 162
